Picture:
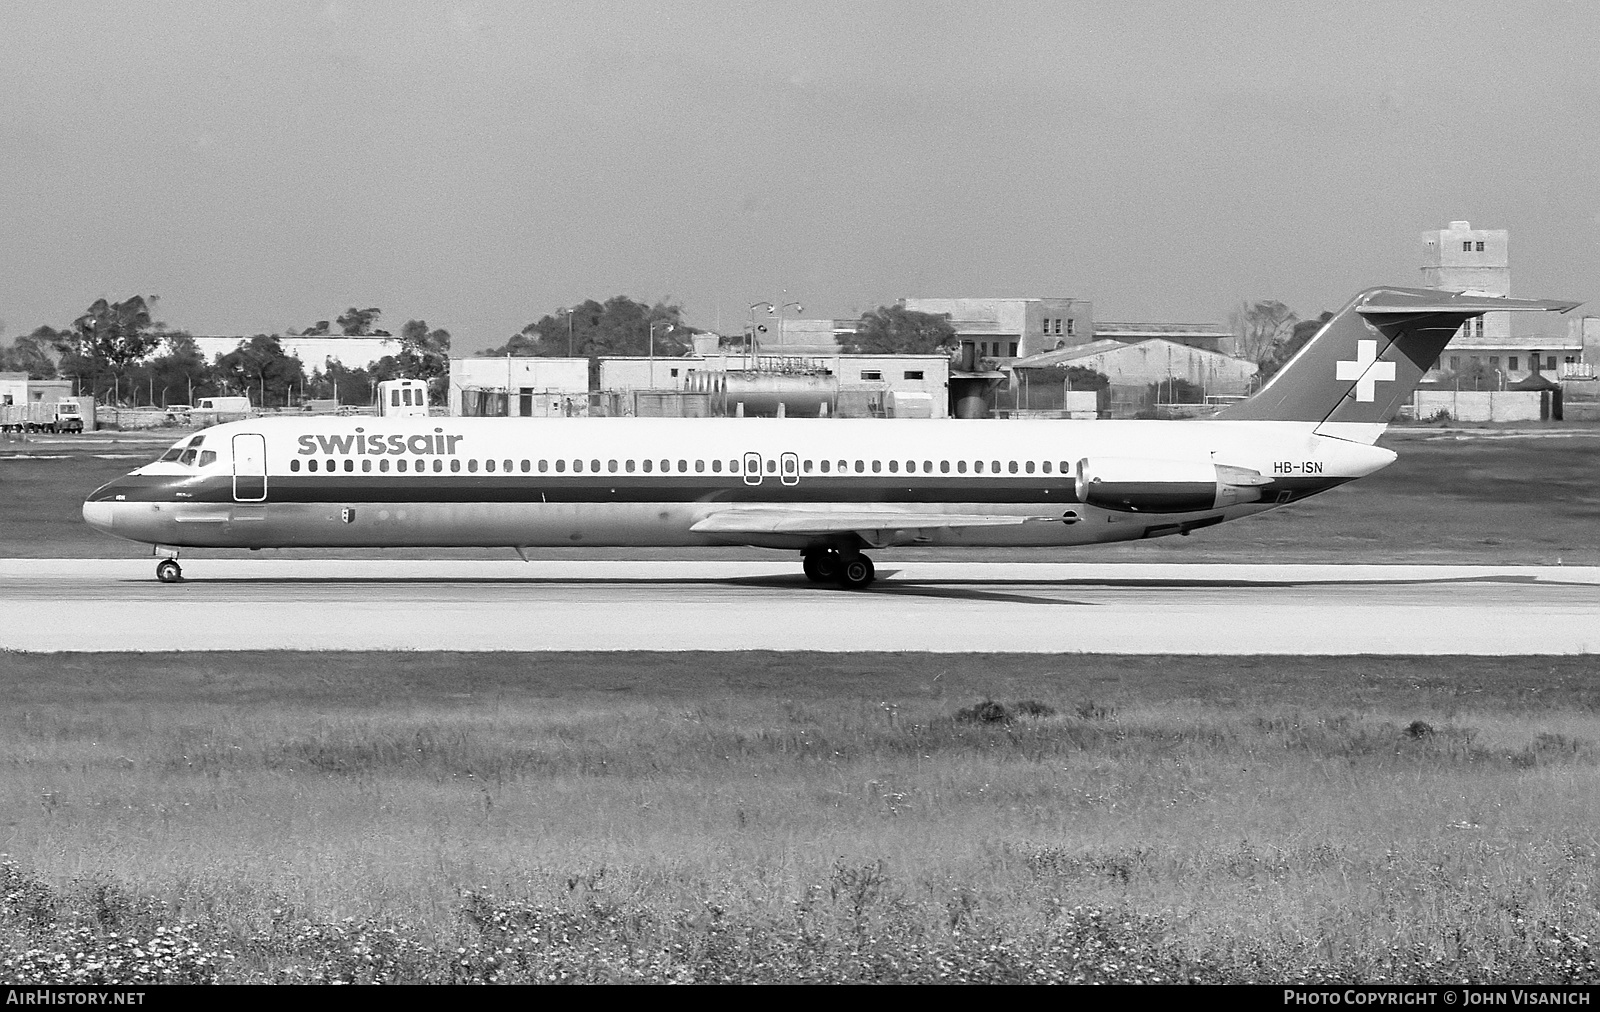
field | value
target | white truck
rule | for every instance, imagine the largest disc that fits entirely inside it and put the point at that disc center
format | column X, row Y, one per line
column 53, row 416
column 403, row 398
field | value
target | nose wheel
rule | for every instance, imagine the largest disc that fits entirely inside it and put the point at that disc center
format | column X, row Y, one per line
column 168, row 571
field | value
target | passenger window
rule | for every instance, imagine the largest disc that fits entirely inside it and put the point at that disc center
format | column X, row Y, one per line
column 383, row 465
column 699, row 465
column 628, row 466
column 507, row 466
column 961, row 467
column 683, row 465
column 806, row 466
column 927, row 467
column 911, row 466
column 329, row 465
column 1028, row 467
column 544, row 465
column 666, row 465
column 716, row 466
column 861, row 465
column 349, row 465
column 527, row 466
column 733, row 466
column 894, row 466
column 772, row 466
column 577, row 466
column 488, row 465
column 399, row 465
column 594, row 465
column 1046, row 466
column 977, row 467
column 1066, row 468
column 876, row 466
column 438, row 465
column 648, row 464
column 561, row 465
column 611, row 466
column 844, row 465
column 944, row 467
column 294, row 465
column 1012, row 468
column 996, row 466
column 455, row 465
column 824, row 464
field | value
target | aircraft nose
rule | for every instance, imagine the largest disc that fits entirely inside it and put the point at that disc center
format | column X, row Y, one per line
column 99, row 515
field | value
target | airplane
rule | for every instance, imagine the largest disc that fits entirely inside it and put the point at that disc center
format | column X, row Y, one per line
column 828, row 488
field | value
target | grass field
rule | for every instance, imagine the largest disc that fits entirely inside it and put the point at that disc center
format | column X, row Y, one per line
column 282, row 816
column 1482, row 498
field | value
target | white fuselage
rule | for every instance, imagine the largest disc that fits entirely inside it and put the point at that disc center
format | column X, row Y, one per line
column 392, row 482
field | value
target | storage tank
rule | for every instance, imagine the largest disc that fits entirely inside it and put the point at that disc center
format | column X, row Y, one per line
column 754, row 394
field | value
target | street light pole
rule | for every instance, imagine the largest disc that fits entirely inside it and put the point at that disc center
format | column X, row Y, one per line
column 750, row 341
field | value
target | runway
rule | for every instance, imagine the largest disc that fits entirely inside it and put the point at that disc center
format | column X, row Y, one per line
column 944, row 607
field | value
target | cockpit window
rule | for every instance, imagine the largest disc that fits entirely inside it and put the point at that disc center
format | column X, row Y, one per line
column 208, row 457
column 172, row 454
column 196, row 441
column 188, row 456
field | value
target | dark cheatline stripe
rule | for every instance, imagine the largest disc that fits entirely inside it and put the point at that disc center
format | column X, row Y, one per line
column 459, row 488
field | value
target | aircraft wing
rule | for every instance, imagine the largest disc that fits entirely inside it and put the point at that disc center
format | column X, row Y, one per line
column 783, row 520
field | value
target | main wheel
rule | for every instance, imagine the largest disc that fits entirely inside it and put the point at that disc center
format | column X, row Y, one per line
column 822, row 567
column 855, row 571
column 168, row 571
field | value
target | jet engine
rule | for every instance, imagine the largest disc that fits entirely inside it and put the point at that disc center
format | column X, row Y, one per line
column 1142, row 485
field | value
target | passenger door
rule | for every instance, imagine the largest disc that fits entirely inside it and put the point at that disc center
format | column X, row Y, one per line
column 752, row 468
column 789, row 469
column 249, row 467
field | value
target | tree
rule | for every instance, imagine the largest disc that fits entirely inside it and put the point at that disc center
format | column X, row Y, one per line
column 1280, row 353
column 1474, row 374
column 342, row 383
column 425, row 354
column 260, row 367
column 113, row 335
column 896, row 330
column 1258, row 326
column 618, row 326
column 358, row 322
column 34, row 354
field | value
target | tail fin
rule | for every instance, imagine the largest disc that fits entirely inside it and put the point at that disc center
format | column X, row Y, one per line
column 1364, row 363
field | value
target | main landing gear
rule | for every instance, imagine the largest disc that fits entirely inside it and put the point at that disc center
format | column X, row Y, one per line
column 851, row 570
column 168, row 571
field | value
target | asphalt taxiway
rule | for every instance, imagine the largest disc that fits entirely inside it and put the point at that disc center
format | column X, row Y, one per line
column 254, row 604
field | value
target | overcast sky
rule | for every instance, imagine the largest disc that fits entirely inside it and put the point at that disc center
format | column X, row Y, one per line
column 264, row 166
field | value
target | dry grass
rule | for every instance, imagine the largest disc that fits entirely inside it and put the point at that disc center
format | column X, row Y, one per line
column 793, row 816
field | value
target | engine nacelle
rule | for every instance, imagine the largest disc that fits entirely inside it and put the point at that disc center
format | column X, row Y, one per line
column 1143, row 485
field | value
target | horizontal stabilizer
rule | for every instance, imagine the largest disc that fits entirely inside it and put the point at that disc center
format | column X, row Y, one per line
column 819, row 522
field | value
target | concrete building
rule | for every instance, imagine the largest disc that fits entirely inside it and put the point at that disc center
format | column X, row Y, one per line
column 1461, row 258
column 850, row 385
column 1008, row 329
column 519, row 387
column 17, row 389
column 1196, row 335
column 1132, row 368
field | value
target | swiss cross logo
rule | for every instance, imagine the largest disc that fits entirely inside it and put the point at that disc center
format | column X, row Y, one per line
column 1366, row 370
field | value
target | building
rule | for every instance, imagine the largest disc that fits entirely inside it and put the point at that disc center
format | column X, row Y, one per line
column 1008, row 329
column 16, row 389
column 519, row 387
column 1133, row 368
column 1461, row 258
column 1196, row 335
column 859, row 386
column 313, row 350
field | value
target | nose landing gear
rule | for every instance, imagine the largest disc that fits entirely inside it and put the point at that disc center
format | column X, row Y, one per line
column 848, row 569
column 168, row 571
